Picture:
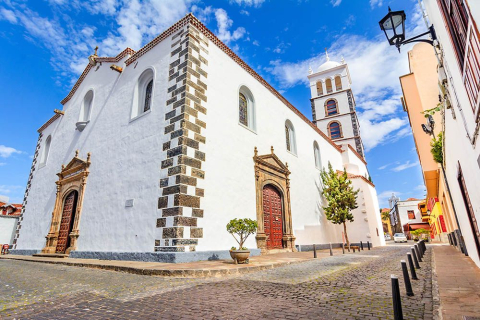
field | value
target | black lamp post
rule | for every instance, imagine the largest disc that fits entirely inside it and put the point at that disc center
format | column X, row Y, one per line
column 393, row 25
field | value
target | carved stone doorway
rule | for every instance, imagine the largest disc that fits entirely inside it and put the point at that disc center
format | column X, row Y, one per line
column 66, row 223
column 274, row 216
column 63, row 234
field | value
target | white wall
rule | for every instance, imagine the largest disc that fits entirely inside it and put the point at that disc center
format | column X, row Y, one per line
column 458, row 148
column 404, row 207
column 7, row 229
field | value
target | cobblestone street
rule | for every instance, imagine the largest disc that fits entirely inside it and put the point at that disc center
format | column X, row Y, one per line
column 352, row 286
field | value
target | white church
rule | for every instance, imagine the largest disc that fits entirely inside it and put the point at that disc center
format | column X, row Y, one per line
column 156, row 150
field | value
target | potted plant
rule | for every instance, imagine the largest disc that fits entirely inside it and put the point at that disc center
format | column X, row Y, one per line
column 240, row 229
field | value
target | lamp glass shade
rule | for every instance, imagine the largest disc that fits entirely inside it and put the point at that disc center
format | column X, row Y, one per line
column 393, row 25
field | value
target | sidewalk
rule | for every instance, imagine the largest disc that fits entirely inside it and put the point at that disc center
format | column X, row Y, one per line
column 458, row 280
column 191, row 269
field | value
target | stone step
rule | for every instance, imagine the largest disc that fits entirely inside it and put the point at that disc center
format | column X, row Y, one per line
column 51, row 255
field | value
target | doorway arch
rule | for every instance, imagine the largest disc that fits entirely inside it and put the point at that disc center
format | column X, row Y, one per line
column 273, row 217
column 66, row 223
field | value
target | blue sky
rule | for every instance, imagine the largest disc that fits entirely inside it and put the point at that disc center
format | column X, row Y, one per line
column 45, row 45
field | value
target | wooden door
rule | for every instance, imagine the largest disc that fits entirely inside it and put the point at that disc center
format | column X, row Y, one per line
column 66, row 223
column 471, row 214
column 272, row 217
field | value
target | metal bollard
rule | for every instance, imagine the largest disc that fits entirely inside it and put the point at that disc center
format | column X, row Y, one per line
column 361, row 245
column 412, row 269
column 418, row 253
column 368, row 245
column 414, row 255
column 406, row 279
column 314, row 252
column 343, row 248
column 454, row 239
column 331, row 252
column 397, row 302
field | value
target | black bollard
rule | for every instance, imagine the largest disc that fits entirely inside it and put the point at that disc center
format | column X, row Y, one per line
column 454, row 239
column 353, row 249
column 331, row 252
column 343, row 248
column 368, row 245
column 406, row 279
column 314, row 251
column 412, row 269
column 397, row 302
column 418, row 253
column 361, row 245
column 424, row 246
column 414, row 255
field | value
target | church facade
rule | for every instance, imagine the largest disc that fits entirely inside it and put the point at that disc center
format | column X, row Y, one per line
column 156, row 150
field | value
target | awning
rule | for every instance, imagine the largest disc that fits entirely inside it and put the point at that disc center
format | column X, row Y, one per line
column 415, row 226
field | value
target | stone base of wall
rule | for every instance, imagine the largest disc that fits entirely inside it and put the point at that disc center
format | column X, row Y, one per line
column 324, row 246
column 27, row 252
column 167, row 257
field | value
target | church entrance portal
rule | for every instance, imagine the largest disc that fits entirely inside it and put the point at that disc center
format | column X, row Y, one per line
column 68, row 215
column 272, row 217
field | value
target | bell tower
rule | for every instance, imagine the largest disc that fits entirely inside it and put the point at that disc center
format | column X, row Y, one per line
column 333, row 104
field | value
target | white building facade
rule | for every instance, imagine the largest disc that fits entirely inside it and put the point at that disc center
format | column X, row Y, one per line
column 456, row 25
column 155, row 151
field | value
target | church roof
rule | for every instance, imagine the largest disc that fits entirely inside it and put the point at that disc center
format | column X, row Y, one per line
column 190, row 18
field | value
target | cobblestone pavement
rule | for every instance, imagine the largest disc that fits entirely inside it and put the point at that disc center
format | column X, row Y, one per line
column 352, row 286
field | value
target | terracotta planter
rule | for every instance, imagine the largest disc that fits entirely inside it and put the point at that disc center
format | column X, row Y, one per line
column 240, row 256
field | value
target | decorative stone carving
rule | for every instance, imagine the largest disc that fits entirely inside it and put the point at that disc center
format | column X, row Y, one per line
column 270, row 170
column 72, row 177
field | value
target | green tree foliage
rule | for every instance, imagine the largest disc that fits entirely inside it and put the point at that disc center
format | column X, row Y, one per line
column 386, row 215
column 242, row 228
column 340, row 196
column 418, row 232
column 437, row 148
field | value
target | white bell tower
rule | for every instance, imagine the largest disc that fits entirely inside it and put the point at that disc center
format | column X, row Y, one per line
column 333, row 104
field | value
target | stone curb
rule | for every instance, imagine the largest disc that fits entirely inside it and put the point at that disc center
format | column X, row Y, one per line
column 177, row 273
column 437, row 306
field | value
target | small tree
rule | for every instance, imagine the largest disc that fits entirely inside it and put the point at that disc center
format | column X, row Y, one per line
column 386, row 215
column 418, row 232
column 242, row 228
column 341, row 197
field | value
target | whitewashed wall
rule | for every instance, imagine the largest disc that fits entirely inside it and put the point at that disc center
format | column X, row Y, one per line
column 7, row 229
column 458, row 149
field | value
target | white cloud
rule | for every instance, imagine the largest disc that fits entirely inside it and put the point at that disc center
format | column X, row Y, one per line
column 2, row 164
column 385, row 195
column 6, row 152
column 374, row 68
column 248, row 3
column 376, row 3
column 223, row 24
column 335, row 3
column 8, row 15
column 405, row 166
column 256, row 43
column 9, row 189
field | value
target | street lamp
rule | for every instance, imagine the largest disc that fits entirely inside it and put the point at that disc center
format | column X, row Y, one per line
column 393, row 25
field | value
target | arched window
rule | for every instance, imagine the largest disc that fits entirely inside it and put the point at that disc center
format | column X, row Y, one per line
column 316, row 153
column 328, row 84
column 86, row 109
column 319, row 88
column 246, row 108
column 142, row 101
column 290, row 137
column 334, row 130
column 46, row 150
column 338, row 83
column 331, row 107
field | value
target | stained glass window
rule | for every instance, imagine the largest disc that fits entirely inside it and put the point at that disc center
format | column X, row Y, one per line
column 243, row 110
column 335, row 130
column 331, row 107
column 287, row 136
column 148, row 96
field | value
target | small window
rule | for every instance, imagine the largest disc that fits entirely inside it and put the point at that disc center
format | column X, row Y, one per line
column 411, row 214
column 46, row 150
column 142, row 101
column 334, row 130
column 86, row 109
column 246, row 108
column 338, row 83
column 316, row 153
column 290, row 137
column 243, row 110
column 319, row 88
column 328, row 84
column 331, row 108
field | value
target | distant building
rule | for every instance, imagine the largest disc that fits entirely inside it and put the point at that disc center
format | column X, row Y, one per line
column 9, row 215
column 387, row 225
column 406, row 216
